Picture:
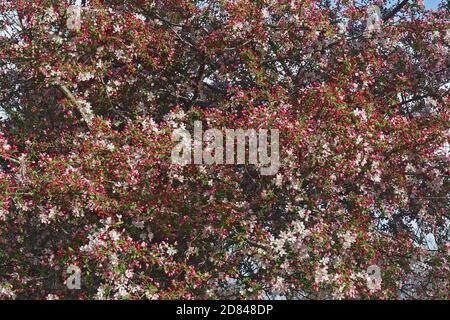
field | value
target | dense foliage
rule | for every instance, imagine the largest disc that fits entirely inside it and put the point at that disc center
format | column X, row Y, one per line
column 86, row 177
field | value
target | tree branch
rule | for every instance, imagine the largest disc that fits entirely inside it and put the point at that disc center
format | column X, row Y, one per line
column 394, row 11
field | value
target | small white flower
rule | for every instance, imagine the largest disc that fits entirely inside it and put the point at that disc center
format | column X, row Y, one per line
column 360, row 113
column 114, row 235
column 348, row 239
column 53, row 212
column 86, row 111
column 171, row 251
column 100, row 295
column 279, row 180
column 321, row 275
column 6, row 147
column 140, row 17
column 238, row 26
column 6, row 291
column 138, row 224
column 49, row 15
column 129, row 274
column 114, row 259
column 376, row 178
column 342, row 28
column 85, row 76
column 122, row 292
column 99, row 64
column 2, row 214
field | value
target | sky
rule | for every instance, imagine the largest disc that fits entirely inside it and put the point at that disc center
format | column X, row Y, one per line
column 431, row 4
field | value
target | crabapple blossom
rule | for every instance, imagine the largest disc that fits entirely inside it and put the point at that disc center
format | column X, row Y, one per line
column 358, row 95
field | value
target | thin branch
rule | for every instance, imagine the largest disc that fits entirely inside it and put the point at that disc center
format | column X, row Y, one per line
column 394, row 11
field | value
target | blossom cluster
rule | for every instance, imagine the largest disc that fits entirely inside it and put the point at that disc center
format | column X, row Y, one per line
column 86, row 177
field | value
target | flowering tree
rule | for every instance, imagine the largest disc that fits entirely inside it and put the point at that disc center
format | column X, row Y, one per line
column 358, row 91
